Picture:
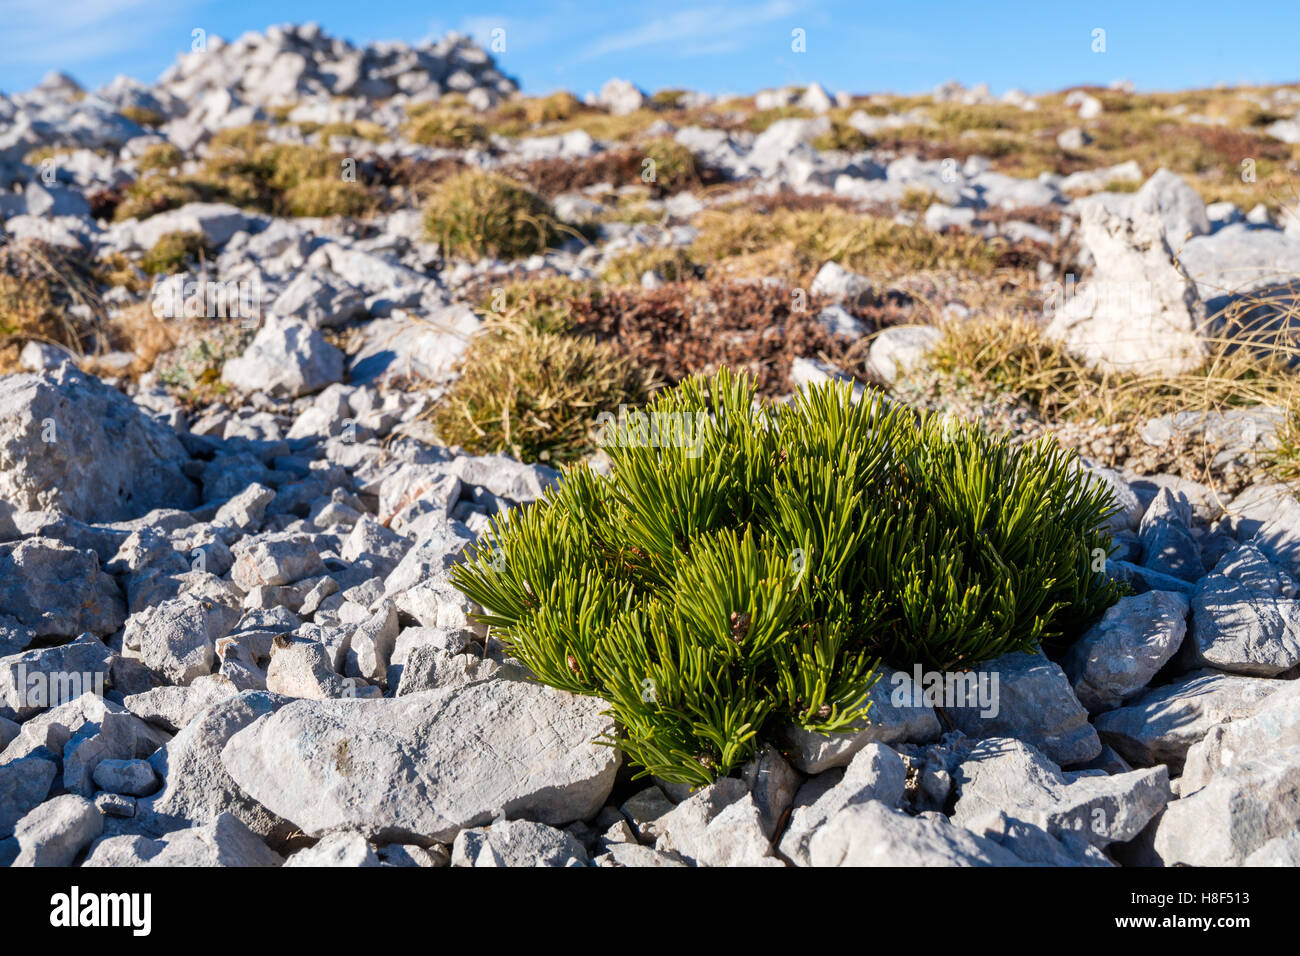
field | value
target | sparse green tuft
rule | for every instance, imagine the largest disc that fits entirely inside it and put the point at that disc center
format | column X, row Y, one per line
column 161, row 156
column 175, row 251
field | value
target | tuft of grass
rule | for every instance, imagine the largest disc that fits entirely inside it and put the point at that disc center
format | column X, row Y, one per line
column 143, row 116
column 674, row 168
column 371, row 132
column 48, row 294
column 672, row 164
column 917, row 200
column 760, row 120
column 27, row 310
column 153, row 193
column 672, row 263
column 445, row 128
column 544, row 305
column 174, row 252
column 326, row 196
column 795, row 243
column 137, row 330
column 667, row 99
column 475, row 213
column 1284, row 460
column 517, row 115
column 842, row 136
column 1010, row 354
column 239, row 140
column 600, row 124
column 243, row 168
column 160, row 156
column 115, row 270
column 535, row 393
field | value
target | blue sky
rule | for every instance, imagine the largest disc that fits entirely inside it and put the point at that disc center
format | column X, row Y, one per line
column 714, row 45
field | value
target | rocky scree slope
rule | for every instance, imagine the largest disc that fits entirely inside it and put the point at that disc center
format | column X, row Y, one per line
column 227, row 635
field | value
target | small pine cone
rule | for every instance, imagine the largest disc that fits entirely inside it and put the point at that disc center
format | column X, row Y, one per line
column 824, row 711
column 573, row 663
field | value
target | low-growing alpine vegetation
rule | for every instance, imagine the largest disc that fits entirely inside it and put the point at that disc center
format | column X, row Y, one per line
column 749, row 567
column 474, row 214
column 245, row 168
column 175, row 251
column 535, row 393
column 47, row 293
column 794, row 244
column 449, row 129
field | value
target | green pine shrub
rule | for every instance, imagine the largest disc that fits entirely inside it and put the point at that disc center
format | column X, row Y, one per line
column 744, row 567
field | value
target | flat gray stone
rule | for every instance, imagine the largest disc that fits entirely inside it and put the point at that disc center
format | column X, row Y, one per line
column 1163, row 723
column 58, row 591
column 1245, row 618
column 1244, row 806
column 873, row 834
column 1117, row 657
column 517, row 843
column 196, row 787
column 46, row 677
column 224, row 841
column 419, row 769
column 876, row 773
column 24, row 783
column 70, row 443
column 1036, row 704
column 1008, row 776
column 1273, row 725
column 342, row 849
column 56, row 831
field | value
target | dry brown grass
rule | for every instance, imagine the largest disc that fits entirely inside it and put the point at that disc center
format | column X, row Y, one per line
column 795, row 244
column 600, row 124
column 475, row 213
column 522, row 113
column 449, row 129
column 137, row 330
column 1010, row 354
column 244, row 168
column 535, row 393
column 48, row 294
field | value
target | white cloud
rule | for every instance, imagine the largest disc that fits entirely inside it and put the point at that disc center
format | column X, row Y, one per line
column 76, row 31
column 692, row 32
column 523, row 33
